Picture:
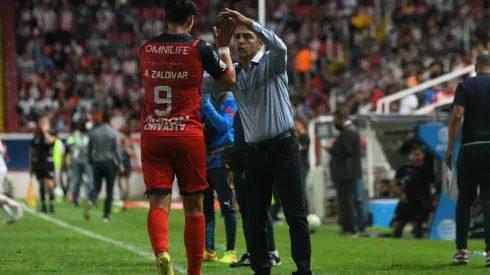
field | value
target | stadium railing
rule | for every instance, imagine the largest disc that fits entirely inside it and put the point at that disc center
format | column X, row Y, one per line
column 434, row 106
column 383, row 105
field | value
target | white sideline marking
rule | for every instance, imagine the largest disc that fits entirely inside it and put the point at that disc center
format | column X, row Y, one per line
column 90, row 234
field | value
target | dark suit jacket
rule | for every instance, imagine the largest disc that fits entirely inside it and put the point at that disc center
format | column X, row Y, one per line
column 345, row 155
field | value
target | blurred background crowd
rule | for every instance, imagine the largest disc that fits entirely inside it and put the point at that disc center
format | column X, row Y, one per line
column 81, row 56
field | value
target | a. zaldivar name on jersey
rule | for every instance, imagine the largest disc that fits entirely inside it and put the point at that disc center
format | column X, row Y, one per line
column 166, row 75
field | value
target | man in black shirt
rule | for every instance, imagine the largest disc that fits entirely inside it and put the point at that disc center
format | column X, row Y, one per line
column 412, row 184
column 346, row 170
column 41, row 161
column 472, row 101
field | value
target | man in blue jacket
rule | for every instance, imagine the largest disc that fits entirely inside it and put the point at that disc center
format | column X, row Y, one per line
column 218, row 112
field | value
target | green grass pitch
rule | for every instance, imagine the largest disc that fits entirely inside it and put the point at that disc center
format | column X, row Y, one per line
column 37, row 246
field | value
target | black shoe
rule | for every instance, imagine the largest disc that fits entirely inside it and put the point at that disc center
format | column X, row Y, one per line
column 51, row 209
column 44, row 209
column 275, row 260
column 243, row 262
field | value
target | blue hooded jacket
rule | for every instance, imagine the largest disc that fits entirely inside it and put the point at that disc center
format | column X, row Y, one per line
column 222, row 120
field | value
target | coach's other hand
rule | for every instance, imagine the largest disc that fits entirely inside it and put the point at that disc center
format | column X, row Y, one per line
column 222, row 36
column 238, row 18
column 449, row 159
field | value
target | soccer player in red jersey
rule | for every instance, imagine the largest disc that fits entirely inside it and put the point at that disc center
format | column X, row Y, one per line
column 172, row 141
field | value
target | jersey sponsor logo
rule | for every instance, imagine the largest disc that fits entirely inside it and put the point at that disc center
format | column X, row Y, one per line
column 165, row 124
column 166, row 75
column 216, row 56
column 167, row 49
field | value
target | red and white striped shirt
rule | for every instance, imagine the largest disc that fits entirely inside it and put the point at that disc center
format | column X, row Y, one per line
column 47, row 20
column 118, row 84
column 66, row 19
column 118, row 122
column 130, row 67
column 105, row 18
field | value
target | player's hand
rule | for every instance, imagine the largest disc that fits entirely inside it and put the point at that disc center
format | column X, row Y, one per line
column 448, row 160
column 237, row 18
column 121, row 170
column 222, row 36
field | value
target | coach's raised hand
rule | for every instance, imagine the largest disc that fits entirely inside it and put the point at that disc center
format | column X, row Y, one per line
column 222, row 36
column 238, row 18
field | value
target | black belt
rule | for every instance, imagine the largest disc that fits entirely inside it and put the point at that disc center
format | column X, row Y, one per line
column 268, row 142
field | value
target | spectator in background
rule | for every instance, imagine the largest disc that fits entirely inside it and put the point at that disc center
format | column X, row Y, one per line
column 26, row 66
column 446, row 94
column 77, row 159
column 409, row 104
column 346, row 170
column 304, row 146
column 124, row 179
column 105, row 157
column 304, row 63
column 412, row 184
column 385, row 189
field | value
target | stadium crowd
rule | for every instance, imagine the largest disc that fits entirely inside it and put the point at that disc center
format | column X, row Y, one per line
column 76, row 57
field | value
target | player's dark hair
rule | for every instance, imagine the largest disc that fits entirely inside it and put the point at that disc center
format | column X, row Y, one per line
column 178, row 11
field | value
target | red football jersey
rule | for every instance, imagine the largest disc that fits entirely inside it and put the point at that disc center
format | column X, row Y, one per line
column 172, row 67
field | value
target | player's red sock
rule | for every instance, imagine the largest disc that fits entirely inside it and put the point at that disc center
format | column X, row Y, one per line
column 194, row 239
column 158, row 229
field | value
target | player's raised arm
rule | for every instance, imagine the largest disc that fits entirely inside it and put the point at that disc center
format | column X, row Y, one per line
column 278, row 48
column 219, row 66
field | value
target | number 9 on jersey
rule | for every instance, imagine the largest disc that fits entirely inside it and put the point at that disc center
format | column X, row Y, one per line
column 163, row 100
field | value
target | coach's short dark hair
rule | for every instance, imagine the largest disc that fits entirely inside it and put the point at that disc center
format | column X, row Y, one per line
column 178, row 11
column 483, row 59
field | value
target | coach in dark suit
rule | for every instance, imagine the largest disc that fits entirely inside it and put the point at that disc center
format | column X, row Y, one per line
column 345, row 167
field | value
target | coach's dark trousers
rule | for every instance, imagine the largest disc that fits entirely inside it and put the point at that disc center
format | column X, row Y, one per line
column 346, row 190
column 473, row 169
column 241, row 198
column 104, row 170
column 276, row 160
